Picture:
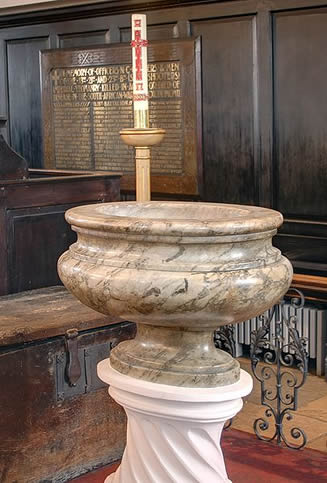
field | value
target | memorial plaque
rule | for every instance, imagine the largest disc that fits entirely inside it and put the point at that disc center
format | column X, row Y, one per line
column 87, row 100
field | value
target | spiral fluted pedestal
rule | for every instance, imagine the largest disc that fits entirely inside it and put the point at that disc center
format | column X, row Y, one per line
column 173, row 433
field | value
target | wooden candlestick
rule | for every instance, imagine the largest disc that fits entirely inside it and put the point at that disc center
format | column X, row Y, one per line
column 142, row 139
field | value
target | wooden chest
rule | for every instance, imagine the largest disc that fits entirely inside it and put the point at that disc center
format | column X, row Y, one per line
column 52, row 430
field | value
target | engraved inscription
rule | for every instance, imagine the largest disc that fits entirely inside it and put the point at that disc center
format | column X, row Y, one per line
column 90, row 105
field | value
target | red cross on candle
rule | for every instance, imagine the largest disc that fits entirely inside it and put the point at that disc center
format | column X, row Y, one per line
column 140, row 70
column 138, row 43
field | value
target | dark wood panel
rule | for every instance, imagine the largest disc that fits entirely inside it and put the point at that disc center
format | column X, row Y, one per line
column 3, row 129
column 263, row 106
column 3, row 90
column 25, row 97
column 249, row 156
column 36, row 229
column 300, row 71
column 61, row 190
column 304, row 242
column 308, row 254
column 4, row 282
column 20, row 16
column 33, row 232
column 115, row 7
column 227, row 76
column 298, row 227
column 83, row 38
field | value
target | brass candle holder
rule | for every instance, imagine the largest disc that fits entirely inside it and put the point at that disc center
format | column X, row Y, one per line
column 142, row 139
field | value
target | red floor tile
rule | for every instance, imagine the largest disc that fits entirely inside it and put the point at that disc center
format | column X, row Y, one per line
column 97, row 476
column 249, row 460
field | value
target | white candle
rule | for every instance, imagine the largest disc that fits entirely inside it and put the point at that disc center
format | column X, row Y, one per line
column 140, row 71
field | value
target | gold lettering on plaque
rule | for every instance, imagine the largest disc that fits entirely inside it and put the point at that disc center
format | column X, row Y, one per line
column 92, row 104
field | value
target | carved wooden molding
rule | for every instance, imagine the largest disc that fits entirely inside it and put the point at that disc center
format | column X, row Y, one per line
column 62, row 10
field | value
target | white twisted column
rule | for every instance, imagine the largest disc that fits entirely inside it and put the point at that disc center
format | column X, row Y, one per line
column 173, row 433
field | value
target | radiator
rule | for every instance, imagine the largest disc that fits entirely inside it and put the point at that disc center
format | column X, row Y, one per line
column 311, row 324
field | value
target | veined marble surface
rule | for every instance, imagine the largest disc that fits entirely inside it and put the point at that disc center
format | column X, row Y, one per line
column 178, row 269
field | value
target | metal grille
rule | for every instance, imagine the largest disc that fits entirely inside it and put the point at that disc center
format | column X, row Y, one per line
column 311, row 324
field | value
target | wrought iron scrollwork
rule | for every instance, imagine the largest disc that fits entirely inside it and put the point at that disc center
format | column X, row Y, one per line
column 284, row 392
column 224, row 339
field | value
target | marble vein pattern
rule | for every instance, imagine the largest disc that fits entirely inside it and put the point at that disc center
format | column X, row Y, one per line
column 179, row 270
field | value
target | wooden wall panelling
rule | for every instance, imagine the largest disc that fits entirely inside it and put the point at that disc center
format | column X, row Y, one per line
column 33, row 227
column 22, row 46
column 101, row 26
column 253, row 167
column 307, row 253
column 3, row 91
column 300, row 44
column 84, row 38
column 86, row 30
column 263, row 105
column 3, row 128
column 25, row 97
column 62, row 190
column 192, row 8
column 305, row 243
column 9, row 36
column 102, row 30
column 117, row 7
column 228, row 105
column 300, row 150
column 3, row 246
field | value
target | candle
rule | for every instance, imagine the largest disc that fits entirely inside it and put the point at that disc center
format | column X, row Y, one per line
column 140, row 71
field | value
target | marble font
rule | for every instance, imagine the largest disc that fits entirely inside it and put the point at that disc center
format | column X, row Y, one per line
column 179, row 270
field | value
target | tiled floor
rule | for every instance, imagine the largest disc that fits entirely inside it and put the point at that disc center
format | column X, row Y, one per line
column 311, row 415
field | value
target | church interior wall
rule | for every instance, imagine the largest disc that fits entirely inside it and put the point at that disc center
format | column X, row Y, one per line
column 263, row 71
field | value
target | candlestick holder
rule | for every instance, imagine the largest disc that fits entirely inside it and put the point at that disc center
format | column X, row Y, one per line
column 142, row 139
